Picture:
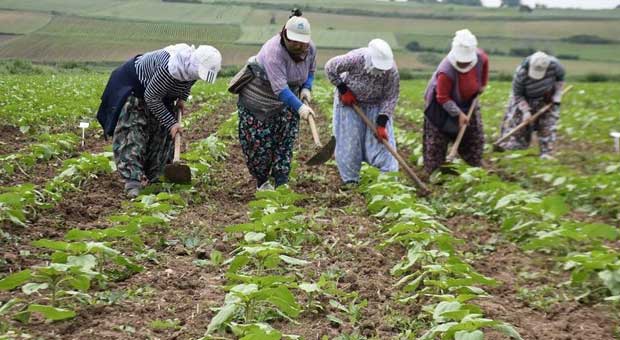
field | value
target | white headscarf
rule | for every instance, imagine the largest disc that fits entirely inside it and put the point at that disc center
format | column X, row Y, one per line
column 369, row 67
column 181, row 65
column 464, row 47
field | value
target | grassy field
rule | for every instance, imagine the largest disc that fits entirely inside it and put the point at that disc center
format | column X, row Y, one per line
column 106, row 30
column 62, row 6
column 16, row 22
column 111, row 30
column 589, row 52
column 414, row 9
column 176, row 12
column 257, row 35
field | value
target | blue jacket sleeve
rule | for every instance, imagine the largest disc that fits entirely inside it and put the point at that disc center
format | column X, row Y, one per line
column 309, row 81
column 290, row 99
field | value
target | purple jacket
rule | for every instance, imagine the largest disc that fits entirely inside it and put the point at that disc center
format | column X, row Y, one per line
column 281, row 70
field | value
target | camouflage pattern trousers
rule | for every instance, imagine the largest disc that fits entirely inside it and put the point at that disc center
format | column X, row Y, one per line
column 435, row 144
column 142, row 147
column 545, row 126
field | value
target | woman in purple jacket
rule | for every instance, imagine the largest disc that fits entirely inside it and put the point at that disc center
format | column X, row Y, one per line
column 271, row 103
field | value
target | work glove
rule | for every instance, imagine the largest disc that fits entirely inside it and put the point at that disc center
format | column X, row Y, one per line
column 382, row 120
column 174, row 129
column 346, row 96
column 305, row 95
column 305, row 111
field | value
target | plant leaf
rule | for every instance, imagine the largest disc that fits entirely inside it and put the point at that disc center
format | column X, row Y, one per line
column 221, row 317
column 15, row 280
column 464, row 335
column 52, row 313
column 33, row 287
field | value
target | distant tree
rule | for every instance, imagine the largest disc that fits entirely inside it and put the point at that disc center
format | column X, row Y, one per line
column 589, row 39
column 414, row 46
column 511, row 3
column 522, row 51
column 525, row 8
column 272, row 21
column 464, row 2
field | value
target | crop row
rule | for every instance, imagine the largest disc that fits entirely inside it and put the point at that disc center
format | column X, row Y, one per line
column 77, row 270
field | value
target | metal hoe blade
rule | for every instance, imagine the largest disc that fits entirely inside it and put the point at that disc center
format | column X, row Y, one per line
column 178, row 173
column 324, row 154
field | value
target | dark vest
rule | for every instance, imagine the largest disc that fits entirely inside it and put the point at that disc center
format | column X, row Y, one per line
column 433, row 111
column 123, row 82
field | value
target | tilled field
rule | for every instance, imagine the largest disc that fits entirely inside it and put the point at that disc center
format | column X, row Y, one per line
column 310, row 260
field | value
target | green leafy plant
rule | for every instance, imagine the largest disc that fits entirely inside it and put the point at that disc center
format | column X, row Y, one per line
column 253, row 303
column 19, row 202
column 274, row 214
column 454, row 320
column 56, row 284
column 48, row 147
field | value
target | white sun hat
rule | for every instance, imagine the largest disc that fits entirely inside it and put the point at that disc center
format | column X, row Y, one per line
column 381, row 54
column 539, row 62
column 464, row 46
column 298, row 29
column 209, row 62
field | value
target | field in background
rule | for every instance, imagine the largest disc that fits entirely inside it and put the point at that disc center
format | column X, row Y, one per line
column 113, row 30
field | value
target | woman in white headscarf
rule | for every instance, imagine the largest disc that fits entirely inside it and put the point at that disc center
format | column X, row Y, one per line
column 367, row 77
column 538, row 81
column 138, row 107
column 459, row 78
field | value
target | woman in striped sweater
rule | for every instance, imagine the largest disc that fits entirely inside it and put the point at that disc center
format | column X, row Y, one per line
column 139, row 104
column 539, row 80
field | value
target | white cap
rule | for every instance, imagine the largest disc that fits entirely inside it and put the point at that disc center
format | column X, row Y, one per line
column 539, row 62
column 209, row 62
column 381, row 54
column 298, row 29
column 464, row 46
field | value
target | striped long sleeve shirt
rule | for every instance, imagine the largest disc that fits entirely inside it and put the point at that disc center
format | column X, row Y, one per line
column 160, row 86
column 529, row 89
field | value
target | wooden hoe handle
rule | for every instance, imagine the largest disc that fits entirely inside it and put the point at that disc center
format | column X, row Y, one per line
column 455, row 146
column 315, row 133
column 394, row 153
column 177, row 143
column 529, row 121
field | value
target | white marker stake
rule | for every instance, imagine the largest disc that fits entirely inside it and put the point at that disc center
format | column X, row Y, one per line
column 84, row 126
column 616, row 137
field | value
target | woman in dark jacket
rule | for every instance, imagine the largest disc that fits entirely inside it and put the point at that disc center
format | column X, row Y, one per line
column 138, row 107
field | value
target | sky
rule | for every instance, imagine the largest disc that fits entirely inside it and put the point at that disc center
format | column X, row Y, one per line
column 589, row 4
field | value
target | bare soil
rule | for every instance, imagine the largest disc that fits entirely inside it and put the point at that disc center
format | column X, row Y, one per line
column 175, row 288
